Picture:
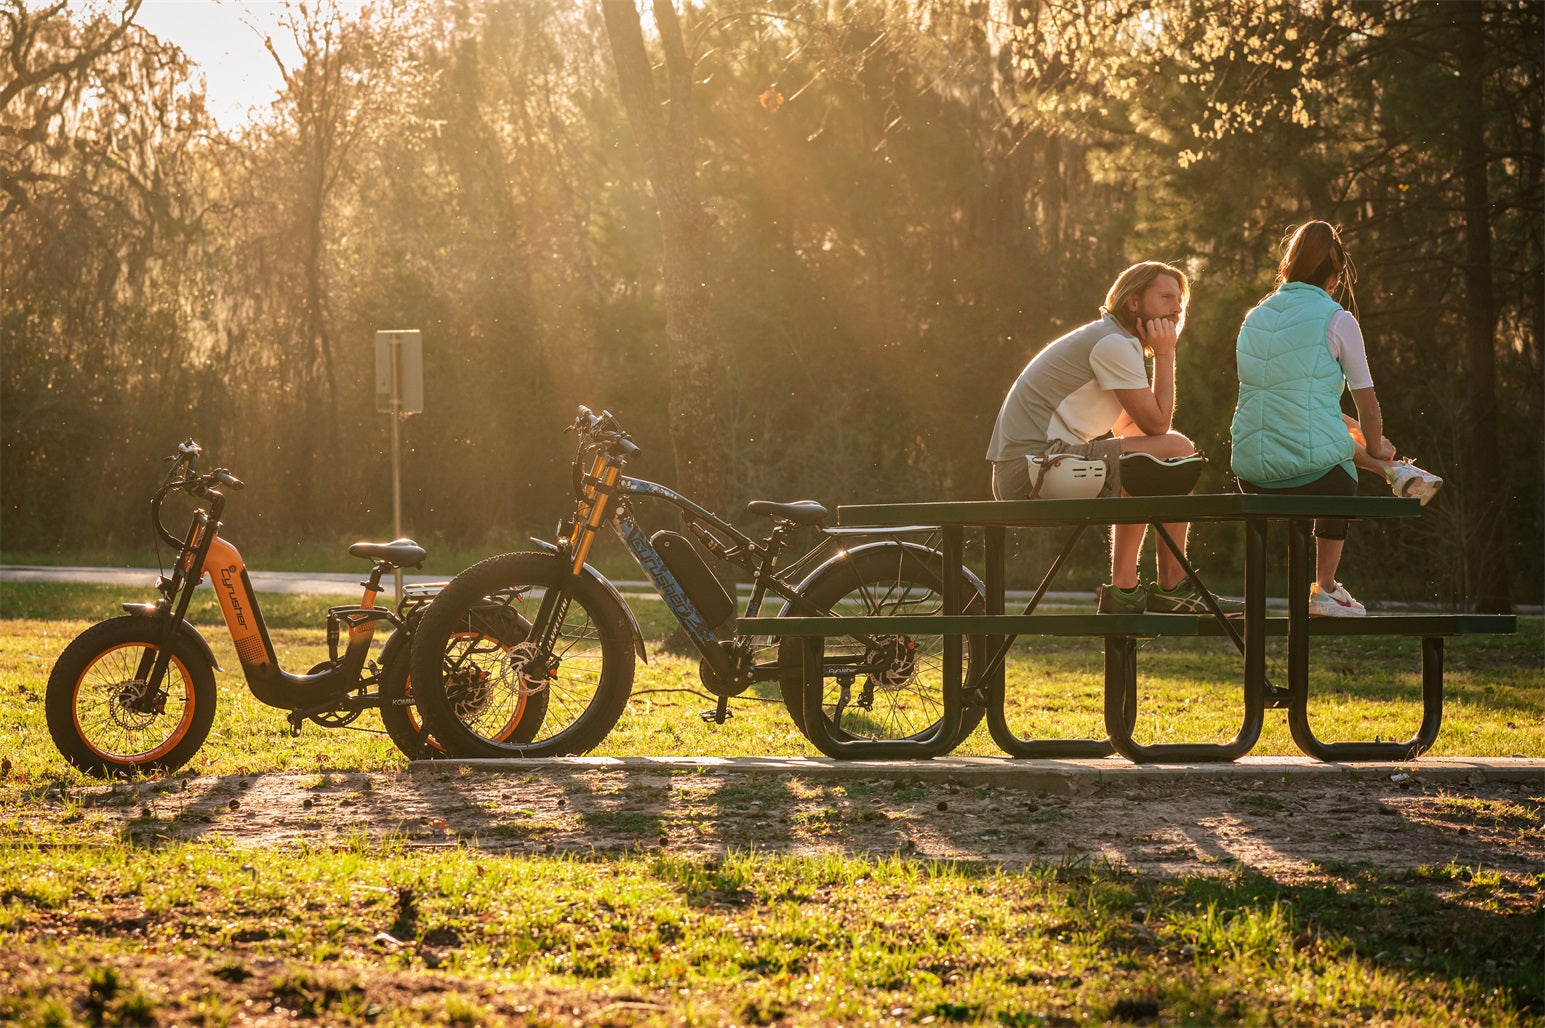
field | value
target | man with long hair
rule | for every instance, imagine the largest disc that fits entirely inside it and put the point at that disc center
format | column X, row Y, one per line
column 1088, row 393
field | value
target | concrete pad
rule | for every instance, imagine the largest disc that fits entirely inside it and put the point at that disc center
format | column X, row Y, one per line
column 1064, row 777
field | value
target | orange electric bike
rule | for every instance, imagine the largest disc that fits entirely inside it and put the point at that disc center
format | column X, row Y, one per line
column 136, row 694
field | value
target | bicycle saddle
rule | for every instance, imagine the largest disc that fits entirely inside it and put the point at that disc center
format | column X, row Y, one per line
column 402, row 553
column 801, row 512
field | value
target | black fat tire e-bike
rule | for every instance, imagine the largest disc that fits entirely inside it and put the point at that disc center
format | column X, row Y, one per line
column 561, row 689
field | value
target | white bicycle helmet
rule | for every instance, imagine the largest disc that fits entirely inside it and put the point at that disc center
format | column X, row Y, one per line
column 1065, row 476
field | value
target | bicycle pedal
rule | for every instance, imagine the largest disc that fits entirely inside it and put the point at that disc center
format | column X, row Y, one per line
column 716, row 716
column 1277, row 697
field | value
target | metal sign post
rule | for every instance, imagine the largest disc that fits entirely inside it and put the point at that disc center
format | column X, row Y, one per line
column 399, row 392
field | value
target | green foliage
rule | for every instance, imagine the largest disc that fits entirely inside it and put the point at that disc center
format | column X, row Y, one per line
column 909, row 200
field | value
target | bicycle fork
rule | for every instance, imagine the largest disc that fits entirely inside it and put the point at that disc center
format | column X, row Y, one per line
column 574, row 542
column 178, row 593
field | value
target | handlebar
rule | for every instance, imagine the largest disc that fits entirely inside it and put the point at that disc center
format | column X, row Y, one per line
column 597, row 432
column 184, row 476
column 601, row 431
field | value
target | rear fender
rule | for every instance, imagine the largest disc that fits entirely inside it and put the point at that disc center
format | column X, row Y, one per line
column 921, row 552
column 595, row 576
column 155, row 611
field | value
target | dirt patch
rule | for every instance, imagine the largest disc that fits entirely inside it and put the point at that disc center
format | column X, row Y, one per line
column 1281, row 826
column 256, row 991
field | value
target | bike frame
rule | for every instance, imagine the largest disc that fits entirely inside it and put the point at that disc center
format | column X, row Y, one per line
column 604, row 495
column 203, row 553
column 758, row 559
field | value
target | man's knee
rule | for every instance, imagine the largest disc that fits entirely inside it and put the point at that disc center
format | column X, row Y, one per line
column 1164, row 447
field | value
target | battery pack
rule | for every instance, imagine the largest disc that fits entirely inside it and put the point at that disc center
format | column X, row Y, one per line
column 695, row 577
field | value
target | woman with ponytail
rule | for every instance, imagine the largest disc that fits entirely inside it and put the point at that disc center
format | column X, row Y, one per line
column 1298, row 350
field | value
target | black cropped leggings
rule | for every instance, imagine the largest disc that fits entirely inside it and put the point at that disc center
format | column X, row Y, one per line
column 1335, row 482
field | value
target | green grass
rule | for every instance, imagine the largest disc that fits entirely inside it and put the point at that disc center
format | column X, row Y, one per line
column 98, row 926
column 1363, row 688
column 390, row 936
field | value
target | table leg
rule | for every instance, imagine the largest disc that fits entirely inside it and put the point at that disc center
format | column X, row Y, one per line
column 1301, row 569
column 1255, row 607
column 1121, row 676
column 991, row 678
column 1208, row 598
column 998, row 651
column 998, row 647
column 954, row 558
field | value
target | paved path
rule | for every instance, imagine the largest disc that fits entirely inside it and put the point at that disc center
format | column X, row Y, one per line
column 263, row 581
column 322, row 584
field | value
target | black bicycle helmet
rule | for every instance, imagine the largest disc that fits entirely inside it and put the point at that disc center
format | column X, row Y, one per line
column 1143, row 474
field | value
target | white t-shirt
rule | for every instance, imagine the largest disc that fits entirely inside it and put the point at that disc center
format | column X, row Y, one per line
column 1067, row 391
column 1090, row 411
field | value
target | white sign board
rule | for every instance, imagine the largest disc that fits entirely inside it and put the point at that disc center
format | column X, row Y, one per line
column 400, row 371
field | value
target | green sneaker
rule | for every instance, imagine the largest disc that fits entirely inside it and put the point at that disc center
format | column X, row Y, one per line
column 1185, row 599
column 1123, row 601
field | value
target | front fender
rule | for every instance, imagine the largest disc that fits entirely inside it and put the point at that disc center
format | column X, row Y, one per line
column 151, row 610
column 594, row 575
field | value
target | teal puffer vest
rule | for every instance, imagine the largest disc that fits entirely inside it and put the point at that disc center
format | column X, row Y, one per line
column 1287, row 427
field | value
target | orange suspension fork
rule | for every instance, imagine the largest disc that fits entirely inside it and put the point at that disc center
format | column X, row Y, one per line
column 592, row 509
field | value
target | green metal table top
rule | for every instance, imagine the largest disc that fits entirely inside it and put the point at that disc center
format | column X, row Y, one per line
column 1116, row 510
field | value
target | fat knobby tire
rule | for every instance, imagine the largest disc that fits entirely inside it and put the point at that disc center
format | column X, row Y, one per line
column 888, row 566
column 450, row 614
column 95, row 675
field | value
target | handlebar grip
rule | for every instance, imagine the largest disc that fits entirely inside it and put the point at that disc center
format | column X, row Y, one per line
column 224, row 477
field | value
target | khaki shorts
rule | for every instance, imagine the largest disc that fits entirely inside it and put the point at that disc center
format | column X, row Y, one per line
column 1011, row 478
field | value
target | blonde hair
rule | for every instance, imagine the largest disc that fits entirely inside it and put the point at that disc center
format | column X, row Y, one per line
column 1313, row 253
column 1134, row 282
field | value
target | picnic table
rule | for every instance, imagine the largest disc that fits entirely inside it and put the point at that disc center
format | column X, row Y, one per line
column 1122, row 632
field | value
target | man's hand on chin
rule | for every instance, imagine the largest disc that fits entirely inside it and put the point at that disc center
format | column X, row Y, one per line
column 1158, row 334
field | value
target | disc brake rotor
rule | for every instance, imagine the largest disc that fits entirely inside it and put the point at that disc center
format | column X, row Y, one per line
column 892, row 662
column 126, row 708
column 532, row 670
column 468, row 691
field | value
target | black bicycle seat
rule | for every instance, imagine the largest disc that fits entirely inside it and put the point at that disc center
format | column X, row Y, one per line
column 402, row 553
column 801, row 512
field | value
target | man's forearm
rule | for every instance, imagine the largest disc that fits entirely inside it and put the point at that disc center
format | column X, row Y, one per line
column 1164, row 387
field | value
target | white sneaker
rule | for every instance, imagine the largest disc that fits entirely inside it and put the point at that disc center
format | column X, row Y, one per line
column 1338, row 603
column 1411, row 481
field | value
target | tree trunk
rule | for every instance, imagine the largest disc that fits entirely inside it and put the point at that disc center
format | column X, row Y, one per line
column 1489, row 537
column 668, row 145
